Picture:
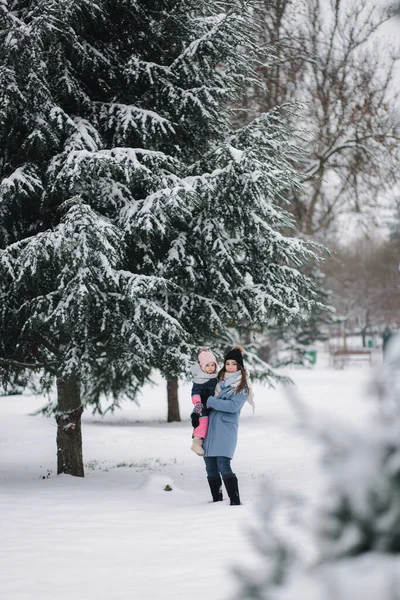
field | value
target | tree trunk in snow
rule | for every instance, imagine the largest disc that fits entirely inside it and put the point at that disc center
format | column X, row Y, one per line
column 247, row 337
column 365, row 329
column 364, row 337
column 69, row 435
column 173, row 402
column 343, row 335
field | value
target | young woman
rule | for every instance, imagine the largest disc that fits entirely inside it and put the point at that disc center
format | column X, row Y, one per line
column 230, row 395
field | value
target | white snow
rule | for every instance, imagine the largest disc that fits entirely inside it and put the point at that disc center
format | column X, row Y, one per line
column 118, row 533
column 237, row 154
column 371, row 576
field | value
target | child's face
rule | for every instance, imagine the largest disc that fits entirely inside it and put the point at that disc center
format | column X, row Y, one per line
column 210, row 368
column 231, row 366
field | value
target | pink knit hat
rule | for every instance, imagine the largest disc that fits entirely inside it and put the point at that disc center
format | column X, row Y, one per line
column 205, row 357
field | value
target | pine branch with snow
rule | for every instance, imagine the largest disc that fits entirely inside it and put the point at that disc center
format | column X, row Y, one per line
column 357, row 521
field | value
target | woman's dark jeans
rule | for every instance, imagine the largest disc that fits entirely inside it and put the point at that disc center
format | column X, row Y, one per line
column 218, row 464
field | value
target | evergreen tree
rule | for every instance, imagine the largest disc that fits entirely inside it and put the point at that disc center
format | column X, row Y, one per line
column 134, row 223
column 363, row 512
column 358, row 519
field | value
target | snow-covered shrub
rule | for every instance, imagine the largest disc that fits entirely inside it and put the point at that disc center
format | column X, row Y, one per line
column 357, row 525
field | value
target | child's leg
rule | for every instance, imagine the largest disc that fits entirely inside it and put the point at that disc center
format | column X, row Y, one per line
column 201, row 429
column 198, row 434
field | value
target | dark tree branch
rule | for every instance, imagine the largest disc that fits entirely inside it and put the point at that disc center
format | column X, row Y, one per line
column 21, row 365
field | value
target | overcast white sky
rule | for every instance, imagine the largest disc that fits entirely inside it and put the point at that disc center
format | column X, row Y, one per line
column 390, row 33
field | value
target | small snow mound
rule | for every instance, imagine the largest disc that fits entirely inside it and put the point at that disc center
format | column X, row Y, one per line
column 156, row 484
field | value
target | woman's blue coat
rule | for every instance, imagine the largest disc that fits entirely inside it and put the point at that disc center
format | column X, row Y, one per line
column 223, row 422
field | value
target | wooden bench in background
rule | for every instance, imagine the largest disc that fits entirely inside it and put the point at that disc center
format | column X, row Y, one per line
column 341, row 357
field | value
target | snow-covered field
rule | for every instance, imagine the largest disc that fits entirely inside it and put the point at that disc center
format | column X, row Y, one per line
column 117, row 534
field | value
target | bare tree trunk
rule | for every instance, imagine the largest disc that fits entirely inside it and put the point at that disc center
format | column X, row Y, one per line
column 247, row 337
column 343, row 335
column 69, row 435
column 364, row 337
column 173, row 402
column 365, row 329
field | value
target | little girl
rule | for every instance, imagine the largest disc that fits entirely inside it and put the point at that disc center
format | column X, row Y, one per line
column 204, row 383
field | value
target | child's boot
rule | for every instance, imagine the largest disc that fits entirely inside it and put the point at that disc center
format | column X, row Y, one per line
column 197, row 445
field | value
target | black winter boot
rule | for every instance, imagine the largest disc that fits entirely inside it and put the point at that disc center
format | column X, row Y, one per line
column 215, row 484
column 231, row 484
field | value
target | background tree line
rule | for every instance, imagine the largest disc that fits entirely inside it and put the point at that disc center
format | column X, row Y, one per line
column 329, row 57
column 365, row 282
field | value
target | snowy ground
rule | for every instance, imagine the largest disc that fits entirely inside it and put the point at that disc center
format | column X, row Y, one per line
column 116, row 534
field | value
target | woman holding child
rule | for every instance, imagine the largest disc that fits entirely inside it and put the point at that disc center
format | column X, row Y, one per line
column 223, row 408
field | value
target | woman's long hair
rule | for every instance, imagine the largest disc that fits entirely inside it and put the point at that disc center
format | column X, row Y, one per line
column 243, row 385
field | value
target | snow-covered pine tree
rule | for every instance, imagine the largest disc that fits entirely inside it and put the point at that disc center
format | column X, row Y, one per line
column 363, row 511
column 291, row 344
column 82, row 140
column 134, row 224
column 235, row 251
column 357, row 529
column 201, row 79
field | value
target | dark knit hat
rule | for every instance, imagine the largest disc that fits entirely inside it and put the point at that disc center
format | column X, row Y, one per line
column 235, row 354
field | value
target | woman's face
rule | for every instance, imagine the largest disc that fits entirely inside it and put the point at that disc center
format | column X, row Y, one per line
column 231, row 366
